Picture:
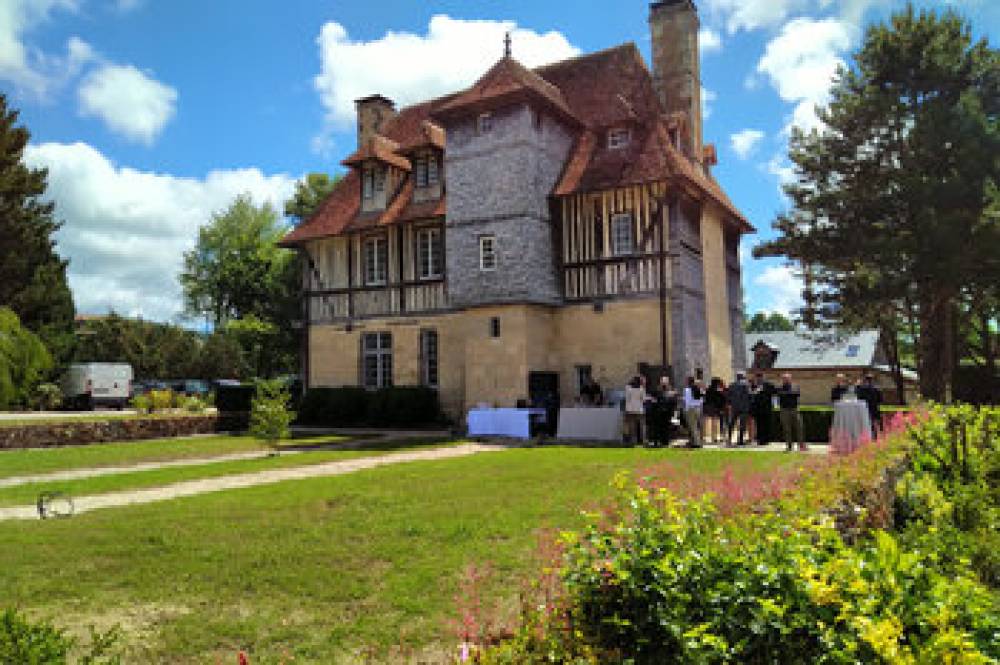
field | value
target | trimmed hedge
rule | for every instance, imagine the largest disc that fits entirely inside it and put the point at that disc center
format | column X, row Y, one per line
column 234, row 399
column 357, row 407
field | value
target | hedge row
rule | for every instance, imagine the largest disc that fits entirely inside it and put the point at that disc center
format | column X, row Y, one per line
column 357, row 407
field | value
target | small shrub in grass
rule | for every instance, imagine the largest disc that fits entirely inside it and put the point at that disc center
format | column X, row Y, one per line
column 269, row 413
column 23, row 642
column 47, row 397
column 142, row 403
column 160, row 400
column 194, row 404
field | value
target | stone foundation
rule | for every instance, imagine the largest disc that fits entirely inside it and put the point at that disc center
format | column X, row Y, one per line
column 70, row 433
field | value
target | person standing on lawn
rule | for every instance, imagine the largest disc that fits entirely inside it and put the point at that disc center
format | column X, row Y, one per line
column 738, row 395
column 839, row 389
column 714, row 410
column 694, row 398
column 762, row 408
column 872, row 396
column 635, row 411
column 791, row 419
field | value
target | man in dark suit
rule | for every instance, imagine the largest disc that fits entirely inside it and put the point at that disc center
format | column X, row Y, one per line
column 762, row 409
column 872, row 396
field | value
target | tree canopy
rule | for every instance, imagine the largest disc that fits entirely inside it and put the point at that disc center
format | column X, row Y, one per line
column 890, row 206
column 24, row 361
column 773, row 322
column 309, row 193
column 32, row 275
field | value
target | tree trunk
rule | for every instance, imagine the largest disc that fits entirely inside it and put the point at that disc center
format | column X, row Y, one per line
column 890, row 344
column 936, row 343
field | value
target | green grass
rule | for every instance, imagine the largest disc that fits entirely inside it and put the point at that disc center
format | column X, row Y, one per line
column 28, row 493
column 315, row 569
column 45, row 460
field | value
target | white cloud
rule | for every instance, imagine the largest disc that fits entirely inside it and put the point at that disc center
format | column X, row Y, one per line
column 29, row 69
column 709, row 41
column 409, row 68
column 707, row 98
column 801, row 61
column 753, row 14
column 128, row 101
column 744, row 142
column 125, row 230
column 783, row 289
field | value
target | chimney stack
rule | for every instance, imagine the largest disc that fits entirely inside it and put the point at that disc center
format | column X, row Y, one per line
column 374, row 112
column 676, row 68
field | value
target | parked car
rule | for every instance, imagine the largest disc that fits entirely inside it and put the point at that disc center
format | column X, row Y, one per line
column 89, row 385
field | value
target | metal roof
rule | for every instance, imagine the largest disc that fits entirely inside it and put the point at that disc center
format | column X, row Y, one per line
column 802, row 348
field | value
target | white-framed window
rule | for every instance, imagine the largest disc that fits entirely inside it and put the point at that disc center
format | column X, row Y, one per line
column 425, row 171
column 380, row 177
column 433, row 172
column 376, row 260
column 618, row 137
column 484, row 125
column 429, row 254
column 368, row 183
column 429, row 358
column 487, row 252
column 622, row 234
column 376, row 360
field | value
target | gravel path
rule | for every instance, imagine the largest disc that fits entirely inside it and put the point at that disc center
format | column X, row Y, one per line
column 193, row 487
column 93, row 472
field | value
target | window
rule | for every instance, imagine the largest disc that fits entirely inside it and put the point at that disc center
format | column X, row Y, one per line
column 429, row 253
column 368, row 183
column 429, row 358
column 618, row 138
column 584, row 374
column 380, row 174
column 487, row 253
column 425, row 171
column 485, row 123
column 494, row 326
column 376, row 260
column 622, row 241
column 853, row 350
column 376, row 349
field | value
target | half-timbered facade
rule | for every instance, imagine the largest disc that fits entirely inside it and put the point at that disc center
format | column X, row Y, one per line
column 536, row 228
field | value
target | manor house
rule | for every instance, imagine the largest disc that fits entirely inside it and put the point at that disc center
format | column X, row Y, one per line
column 542, row 226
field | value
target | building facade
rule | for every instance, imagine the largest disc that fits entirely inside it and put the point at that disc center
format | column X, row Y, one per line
column 508, row 240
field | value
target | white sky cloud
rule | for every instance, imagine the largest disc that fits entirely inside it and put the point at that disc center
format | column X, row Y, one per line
column 709, row 41
column 778, row 290
column 130, row 102
column 744, row 142
column 409, row 68
column 28, row 69
column 801, row 61
column 125, row 230
column 707, row 98
column 753, row 14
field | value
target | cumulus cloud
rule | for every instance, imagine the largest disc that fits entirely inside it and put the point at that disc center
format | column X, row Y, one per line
column 707, row 98
column 28, row 69
column 744, row 142
column 125, row 230
column 409, row 68
column 709, row 41
column 800, row 63
column 130, row 102
column 753, row 14
column 780, row 290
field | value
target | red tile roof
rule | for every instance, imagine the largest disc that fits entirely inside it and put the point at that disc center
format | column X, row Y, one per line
column 379, row 148
column 603, row 90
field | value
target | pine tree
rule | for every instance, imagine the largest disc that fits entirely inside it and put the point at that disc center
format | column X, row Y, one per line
column 32, row 275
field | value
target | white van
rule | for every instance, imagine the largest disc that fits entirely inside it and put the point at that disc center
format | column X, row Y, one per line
column 88, row 385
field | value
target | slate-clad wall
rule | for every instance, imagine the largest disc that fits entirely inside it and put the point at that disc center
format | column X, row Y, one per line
column 498, row 183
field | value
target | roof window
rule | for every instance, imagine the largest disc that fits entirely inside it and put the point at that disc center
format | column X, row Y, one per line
column 618, row 138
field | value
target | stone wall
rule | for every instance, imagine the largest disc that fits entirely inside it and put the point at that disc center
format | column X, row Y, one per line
column 70, row 433
column 720, row 332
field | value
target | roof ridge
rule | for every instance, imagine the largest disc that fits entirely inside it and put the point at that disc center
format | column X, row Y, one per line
column 629, row 45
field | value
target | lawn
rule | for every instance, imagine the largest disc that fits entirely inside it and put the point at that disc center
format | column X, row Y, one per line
column 320, row 570
column 45, row 460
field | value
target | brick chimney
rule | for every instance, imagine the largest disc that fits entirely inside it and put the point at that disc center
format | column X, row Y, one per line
column 373, row 112
column 676, row 67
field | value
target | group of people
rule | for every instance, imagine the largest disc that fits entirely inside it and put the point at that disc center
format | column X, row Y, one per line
column 716, row 414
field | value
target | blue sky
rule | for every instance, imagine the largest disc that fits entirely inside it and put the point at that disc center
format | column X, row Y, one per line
column 153, row 114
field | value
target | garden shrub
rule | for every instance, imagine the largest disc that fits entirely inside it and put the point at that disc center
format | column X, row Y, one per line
column 23, row 642
column 47, row 397
column 24, row 361
column 234, row 399
column 352, row 407
column 269, row 413
column 142, row 403
column 160, row 400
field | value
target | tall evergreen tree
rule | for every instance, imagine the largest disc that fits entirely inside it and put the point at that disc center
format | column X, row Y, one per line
column 32, row 275
column 891, row 196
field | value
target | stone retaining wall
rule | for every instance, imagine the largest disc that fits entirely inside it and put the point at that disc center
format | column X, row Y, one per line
column 75, row 433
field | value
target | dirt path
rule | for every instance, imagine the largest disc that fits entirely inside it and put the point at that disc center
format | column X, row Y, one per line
column 193, row 487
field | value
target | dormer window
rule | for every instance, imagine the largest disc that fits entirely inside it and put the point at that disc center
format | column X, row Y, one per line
column 425, row 170
column 368, row 183
column 484, row 125
column 618, row 138
column 380, row 179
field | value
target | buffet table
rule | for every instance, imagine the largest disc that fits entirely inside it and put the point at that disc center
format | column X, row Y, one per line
column 590, row 424
column 511, row 423
column 852, row 425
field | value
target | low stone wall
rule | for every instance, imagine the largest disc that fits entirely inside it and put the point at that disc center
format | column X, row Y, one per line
column 75, row 433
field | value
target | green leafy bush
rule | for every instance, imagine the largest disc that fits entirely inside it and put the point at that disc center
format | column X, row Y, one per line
column 141, row 403
column 351, row 407
column 24, row 361
column 269, row 412
column 193, row 404
column 47, row 397
column 23, row 642
column 160, row 400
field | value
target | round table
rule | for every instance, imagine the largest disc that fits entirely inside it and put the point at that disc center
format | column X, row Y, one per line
column 851, row 425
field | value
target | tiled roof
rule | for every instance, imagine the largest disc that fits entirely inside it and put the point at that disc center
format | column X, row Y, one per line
column 608, row 89
column 505, row 81
column 803, row 349
column 381, row 148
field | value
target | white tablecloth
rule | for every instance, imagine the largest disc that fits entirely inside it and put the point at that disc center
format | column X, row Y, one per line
column 851, row 424
column 513, row 423
column 590, row 424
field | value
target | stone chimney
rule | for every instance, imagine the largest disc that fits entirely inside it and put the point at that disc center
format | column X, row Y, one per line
column 373, row 112
column 676, row 68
